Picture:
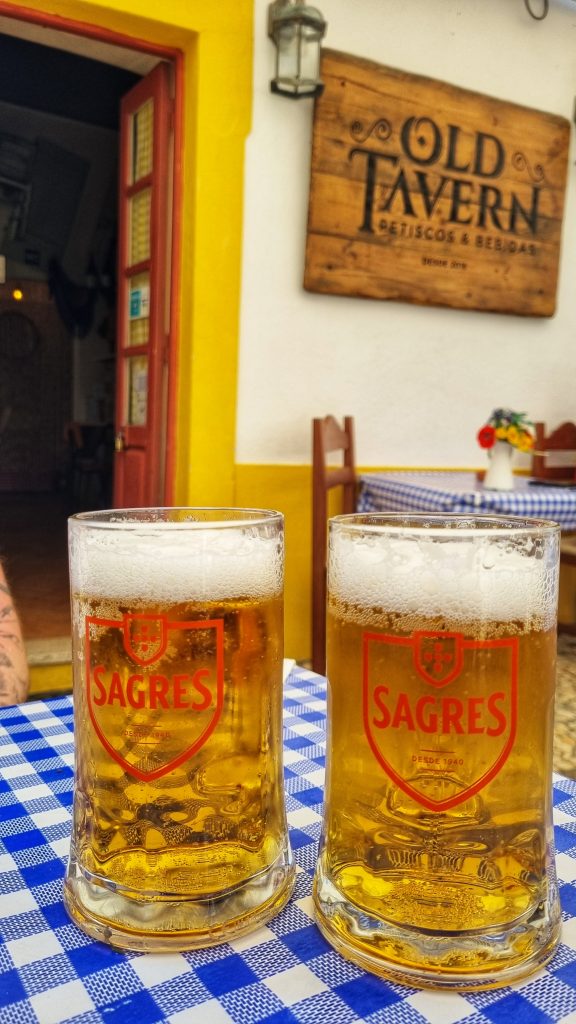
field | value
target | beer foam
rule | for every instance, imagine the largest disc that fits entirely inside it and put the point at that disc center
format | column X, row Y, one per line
column 175, row 563
column 495, row 578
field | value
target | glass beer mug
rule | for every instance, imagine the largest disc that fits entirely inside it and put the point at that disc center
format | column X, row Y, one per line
column 436, row 863
column 179, row 836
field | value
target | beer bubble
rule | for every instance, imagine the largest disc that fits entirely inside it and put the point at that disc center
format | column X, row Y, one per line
column 181, row 565
column 505, row 576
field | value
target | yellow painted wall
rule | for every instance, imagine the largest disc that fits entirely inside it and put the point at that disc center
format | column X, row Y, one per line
column 50, row 680
column 288, row 489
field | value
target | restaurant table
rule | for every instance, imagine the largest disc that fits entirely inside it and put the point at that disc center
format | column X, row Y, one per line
column 418, row 491
column 283, row 973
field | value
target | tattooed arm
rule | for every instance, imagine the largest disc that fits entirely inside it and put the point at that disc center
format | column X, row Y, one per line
column 13, row 661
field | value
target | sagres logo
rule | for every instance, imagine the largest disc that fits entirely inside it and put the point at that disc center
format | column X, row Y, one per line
column 155, row 688
column 145, row 637
column 440, row 711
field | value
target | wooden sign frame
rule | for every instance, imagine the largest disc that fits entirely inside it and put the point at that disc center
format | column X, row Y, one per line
column 427, row 193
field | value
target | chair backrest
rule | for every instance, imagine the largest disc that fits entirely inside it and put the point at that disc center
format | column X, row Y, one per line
column 328, row 438
column 554, row 454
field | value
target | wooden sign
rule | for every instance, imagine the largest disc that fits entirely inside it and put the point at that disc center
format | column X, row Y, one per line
column 426, row 193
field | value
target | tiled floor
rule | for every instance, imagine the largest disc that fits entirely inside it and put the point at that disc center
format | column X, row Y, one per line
column 33, row 531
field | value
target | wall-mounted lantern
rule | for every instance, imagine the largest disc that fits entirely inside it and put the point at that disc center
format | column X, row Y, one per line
column 297, row 31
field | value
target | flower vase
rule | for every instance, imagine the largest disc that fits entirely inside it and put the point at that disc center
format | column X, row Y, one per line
column 499, row 475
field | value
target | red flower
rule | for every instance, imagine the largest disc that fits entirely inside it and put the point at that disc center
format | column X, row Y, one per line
column 487, row 437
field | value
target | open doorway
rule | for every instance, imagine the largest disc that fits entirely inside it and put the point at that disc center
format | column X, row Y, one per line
column 59, row 139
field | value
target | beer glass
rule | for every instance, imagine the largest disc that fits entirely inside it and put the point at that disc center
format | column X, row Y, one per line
column 179, row 836
column 436, row 864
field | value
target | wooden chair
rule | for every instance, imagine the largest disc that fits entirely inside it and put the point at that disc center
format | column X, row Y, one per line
column 554, row 455
column 328, row 437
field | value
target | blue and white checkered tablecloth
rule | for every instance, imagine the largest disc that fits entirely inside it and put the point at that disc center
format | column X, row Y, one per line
column 462, row 492
column 285, row 973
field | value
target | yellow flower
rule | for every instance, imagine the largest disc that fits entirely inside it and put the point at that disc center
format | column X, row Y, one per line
column 526, row 442
column 502, row 433
column 512, row 435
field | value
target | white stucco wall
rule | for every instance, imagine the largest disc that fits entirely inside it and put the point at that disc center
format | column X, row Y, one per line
column 419, row 381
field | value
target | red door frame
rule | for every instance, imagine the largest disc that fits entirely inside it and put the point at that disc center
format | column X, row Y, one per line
column 138, row 476
column 113, row 38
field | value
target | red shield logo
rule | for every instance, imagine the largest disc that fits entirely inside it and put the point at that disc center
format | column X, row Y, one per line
column 440, row 711
column 155, row 689
column 438, row 656
column 145, row 637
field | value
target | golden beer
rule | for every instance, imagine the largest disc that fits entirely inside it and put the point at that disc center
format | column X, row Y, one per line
column 436, row 863
column 179, row 833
